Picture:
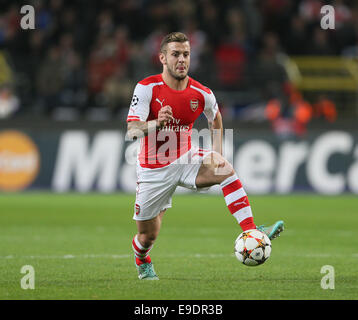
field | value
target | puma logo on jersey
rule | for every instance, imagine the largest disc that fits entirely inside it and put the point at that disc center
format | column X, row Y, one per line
column 160, row 102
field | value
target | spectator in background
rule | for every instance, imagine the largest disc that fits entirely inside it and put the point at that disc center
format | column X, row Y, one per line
column 66, row 45
column 290, row 115
column 230, row 54
column 182, row 10
column 44, row 18
column 35, row 58
column 9, row 102
column 110, row 55
column 67, row 22
column 310, row 10
column 152, row 45
column 118, row 90
column 2, row 31
column 138, row 64
column 229, row 59
column 210, row 21
column 10, row 36
column 121, row 37
column 350, row 47
column 325, row 109
column 342, row 14
column 105, row 23
column 73, row 92
column 50, row 79
column 101, row 66
column 351, row 51
column 276, row 14
column 320, row 44
column 55, row 7
column 295, row 36
column 197, row 40
column 268, row 73
column 12, row 21
column 302, row 115
column 254, row 19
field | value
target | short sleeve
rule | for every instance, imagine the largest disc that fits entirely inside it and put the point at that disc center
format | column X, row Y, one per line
column 211, row 106
column 140, row 104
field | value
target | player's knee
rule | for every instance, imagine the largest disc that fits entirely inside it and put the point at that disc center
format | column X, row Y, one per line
column 229, row 170
column 147, row 239
column 214, row 171
column 224, row 169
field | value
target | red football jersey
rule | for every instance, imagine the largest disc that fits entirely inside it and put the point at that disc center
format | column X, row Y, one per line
column 167, row 144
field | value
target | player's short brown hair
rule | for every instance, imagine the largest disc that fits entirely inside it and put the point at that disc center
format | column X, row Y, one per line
column 173, row 37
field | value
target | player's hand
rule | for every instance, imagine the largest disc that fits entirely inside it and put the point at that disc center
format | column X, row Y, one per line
column 165, row 114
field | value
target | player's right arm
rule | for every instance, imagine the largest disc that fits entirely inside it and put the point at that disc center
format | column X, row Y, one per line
column 139, row 129
column 138, row 126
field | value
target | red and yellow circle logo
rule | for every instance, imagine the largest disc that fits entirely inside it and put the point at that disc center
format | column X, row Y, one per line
column 19, row 161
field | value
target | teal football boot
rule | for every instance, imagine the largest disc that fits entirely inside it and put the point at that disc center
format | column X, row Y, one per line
column 272, row 231
column 146, row 272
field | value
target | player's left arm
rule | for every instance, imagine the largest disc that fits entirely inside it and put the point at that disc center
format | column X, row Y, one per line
column 216, row 128
column 213, row 115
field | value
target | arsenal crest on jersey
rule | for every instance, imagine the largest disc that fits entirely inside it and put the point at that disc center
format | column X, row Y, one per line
column 194, row 104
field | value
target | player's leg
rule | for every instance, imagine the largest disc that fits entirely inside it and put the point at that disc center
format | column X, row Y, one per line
column 153, row 196
column 215, row 169
column 143, row 242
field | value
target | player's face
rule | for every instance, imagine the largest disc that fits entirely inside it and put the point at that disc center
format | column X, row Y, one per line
column 177, row 59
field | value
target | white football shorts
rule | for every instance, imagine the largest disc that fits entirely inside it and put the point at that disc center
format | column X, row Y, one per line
column 155, row 187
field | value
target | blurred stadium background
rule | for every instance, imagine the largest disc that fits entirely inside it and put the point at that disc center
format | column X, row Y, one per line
column 287, row 87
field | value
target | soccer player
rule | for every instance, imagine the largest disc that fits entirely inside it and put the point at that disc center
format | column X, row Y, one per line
column 162, row 113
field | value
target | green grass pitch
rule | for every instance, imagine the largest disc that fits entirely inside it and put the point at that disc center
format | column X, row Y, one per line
column 80, row 248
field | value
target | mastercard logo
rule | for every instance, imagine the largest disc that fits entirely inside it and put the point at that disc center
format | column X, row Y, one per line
column 19, row 161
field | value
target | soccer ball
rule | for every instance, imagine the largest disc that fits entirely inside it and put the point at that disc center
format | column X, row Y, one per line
column 252, row 247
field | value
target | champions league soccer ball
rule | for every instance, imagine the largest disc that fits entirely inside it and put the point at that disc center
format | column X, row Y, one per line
column 252, row 247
